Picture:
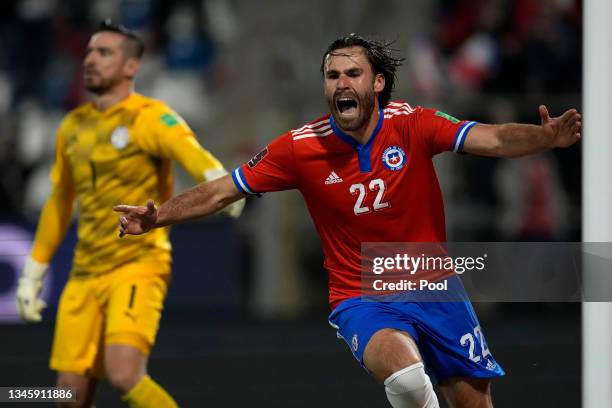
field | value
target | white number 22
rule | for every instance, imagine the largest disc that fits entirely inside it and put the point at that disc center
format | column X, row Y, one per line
column 376, row 184
column 468, row 340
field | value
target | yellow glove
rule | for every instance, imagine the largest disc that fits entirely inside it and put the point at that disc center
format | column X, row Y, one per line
column 29, row 305
column 234, row 209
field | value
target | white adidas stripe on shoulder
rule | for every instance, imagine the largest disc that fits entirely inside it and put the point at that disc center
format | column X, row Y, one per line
column 393, row 111
column 392, row 107
column 398, row 109
column 398, row 113
column 311, row 134
column 399, row 105
column 320, row 129
column 311, row 126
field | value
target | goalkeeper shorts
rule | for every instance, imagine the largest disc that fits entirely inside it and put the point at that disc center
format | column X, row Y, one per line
column 120, row 307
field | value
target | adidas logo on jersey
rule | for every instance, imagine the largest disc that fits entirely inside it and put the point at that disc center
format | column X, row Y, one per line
column 333, row 178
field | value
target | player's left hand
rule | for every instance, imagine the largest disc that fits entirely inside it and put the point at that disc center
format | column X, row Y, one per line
column 562, row 131
column 136, row 220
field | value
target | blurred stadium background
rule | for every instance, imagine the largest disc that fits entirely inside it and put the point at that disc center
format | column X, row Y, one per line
column 250, row 297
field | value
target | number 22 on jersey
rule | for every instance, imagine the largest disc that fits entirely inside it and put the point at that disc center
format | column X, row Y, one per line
column 361, row 205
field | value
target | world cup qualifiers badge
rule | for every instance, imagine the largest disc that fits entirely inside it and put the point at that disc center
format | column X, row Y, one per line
column 394, row 158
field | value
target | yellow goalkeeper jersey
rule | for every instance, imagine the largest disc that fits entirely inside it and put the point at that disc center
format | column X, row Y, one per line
column 104, row 158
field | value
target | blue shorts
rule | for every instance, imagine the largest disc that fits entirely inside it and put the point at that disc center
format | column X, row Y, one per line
column 447, row 334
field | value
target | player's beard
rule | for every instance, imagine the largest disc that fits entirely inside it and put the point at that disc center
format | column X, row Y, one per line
column 99, row 85
column 365, row 106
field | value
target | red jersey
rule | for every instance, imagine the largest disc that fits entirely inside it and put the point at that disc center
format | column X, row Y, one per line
column 383, row 191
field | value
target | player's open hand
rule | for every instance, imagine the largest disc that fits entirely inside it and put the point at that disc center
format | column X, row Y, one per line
column 136, row 220
column 563, row 131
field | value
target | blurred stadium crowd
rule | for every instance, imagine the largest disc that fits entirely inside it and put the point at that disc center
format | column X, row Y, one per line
column 241, row 72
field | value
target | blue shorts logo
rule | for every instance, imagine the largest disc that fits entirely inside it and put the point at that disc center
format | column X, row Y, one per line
column 394, row 158
column 491, row 365
column 355, row 342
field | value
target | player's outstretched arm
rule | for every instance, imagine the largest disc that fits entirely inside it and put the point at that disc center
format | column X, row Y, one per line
column 517, row 139
column 204, row 199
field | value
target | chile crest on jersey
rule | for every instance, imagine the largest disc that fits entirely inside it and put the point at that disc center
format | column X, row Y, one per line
column 394, row 158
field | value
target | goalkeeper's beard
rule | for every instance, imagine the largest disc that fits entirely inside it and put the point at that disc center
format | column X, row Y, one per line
column 101, row 86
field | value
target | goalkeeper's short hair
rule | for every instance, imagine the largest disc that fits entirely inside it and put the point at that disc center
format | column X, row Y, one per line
column 133, row 44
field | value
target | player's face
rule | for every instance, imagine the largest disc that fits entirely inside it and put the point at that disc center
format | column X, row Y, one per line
column 351, row 87
column 106, row 64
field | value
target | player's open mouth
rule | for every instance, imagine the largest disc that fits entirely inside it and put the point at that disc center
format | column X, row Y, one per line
column 346, row 106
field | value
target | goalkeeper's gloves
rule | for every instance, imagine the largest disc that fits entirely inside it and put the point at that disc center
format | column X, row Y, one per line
column 29, row 305
column 234, row 209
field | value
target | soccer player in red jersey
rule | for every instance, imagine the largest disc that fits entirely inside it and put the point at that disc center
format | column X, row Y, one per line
column 366, row 173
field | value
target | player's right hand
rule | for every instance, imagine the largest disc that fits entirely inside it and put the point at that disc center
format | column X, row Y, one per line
column 136, row 220
column 29, row 305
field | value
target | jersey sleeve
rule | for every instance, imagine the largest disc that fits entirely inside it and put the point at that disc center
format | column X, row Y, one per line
column 56, row 214
column 61, row 176
column 442, row 132
column 168, row 136
column 272, row 169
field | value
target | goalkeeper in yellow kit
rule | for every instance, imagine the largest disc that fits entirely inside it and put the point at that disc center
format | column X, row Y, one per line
column 118, row 148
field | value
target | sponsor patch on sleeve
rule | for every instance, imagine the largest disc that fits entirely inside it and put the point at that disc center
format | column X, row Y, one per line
column 447, row 117
column 257, row 158
column 169, row 119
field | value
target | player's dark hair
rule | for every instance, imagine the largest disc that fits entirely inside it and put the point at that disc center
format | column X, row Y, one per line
column 134, row 46
column 381, row 58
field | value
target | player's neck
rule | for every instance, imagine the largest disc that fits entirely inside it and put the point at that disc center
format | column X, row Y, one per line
column 115, row 95
column 364, row 133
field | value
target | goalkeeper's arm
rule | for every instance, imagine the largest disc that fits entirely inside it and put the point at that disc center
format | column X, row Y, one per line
column 54, row 221
column 179, row 143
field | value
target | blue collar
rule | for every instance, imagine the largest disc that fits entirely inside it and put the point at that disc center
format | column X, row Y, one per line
column 363, row 150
